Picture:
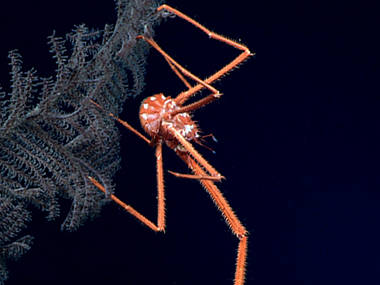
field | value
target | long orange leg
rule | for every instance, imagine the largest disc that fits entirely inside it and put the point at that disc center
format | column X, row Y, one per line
column 196, row 177
column 215, row 175
column 183, row 96
column 172, row 62
column 125, row 124
column 231, row 219
column 161, row 197
column 160, row 178
column 178, row 73
column 197, row 164
column 177, row 68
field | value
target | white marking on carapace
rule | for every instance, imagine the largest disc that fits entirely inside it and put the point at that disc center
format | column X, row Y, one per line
column 188, row 128
column 169, row 104
column 145, row 116
column 154, row 120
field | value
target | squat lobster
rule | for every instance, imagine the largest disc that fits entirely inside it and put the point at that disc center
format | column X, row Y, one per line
column 167, row 120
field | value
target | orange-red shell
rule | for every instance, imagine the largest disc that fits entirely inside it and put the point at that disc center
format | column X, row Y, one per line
column 152, row 111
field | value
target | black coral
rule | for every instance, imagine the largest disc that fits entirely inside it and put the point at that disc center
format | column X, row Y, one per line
column 52, row 137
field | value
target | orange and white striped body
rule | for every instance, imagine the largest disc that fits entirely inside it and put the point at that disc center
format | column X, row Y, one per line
column 156, row 120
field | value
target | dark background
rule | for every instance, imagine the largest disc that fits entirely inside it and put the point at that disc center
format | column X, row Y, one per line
column 297, row 132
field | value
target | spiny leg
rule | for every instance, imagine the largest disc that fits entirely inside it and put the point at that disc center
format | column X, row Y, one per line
column 179, row 67
column 180, row 76
column 196, row 177
column 213, row 174
column 160, row 188
column 231, row 219
column 124, row 123
column 161, row 197
column 182, row 97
